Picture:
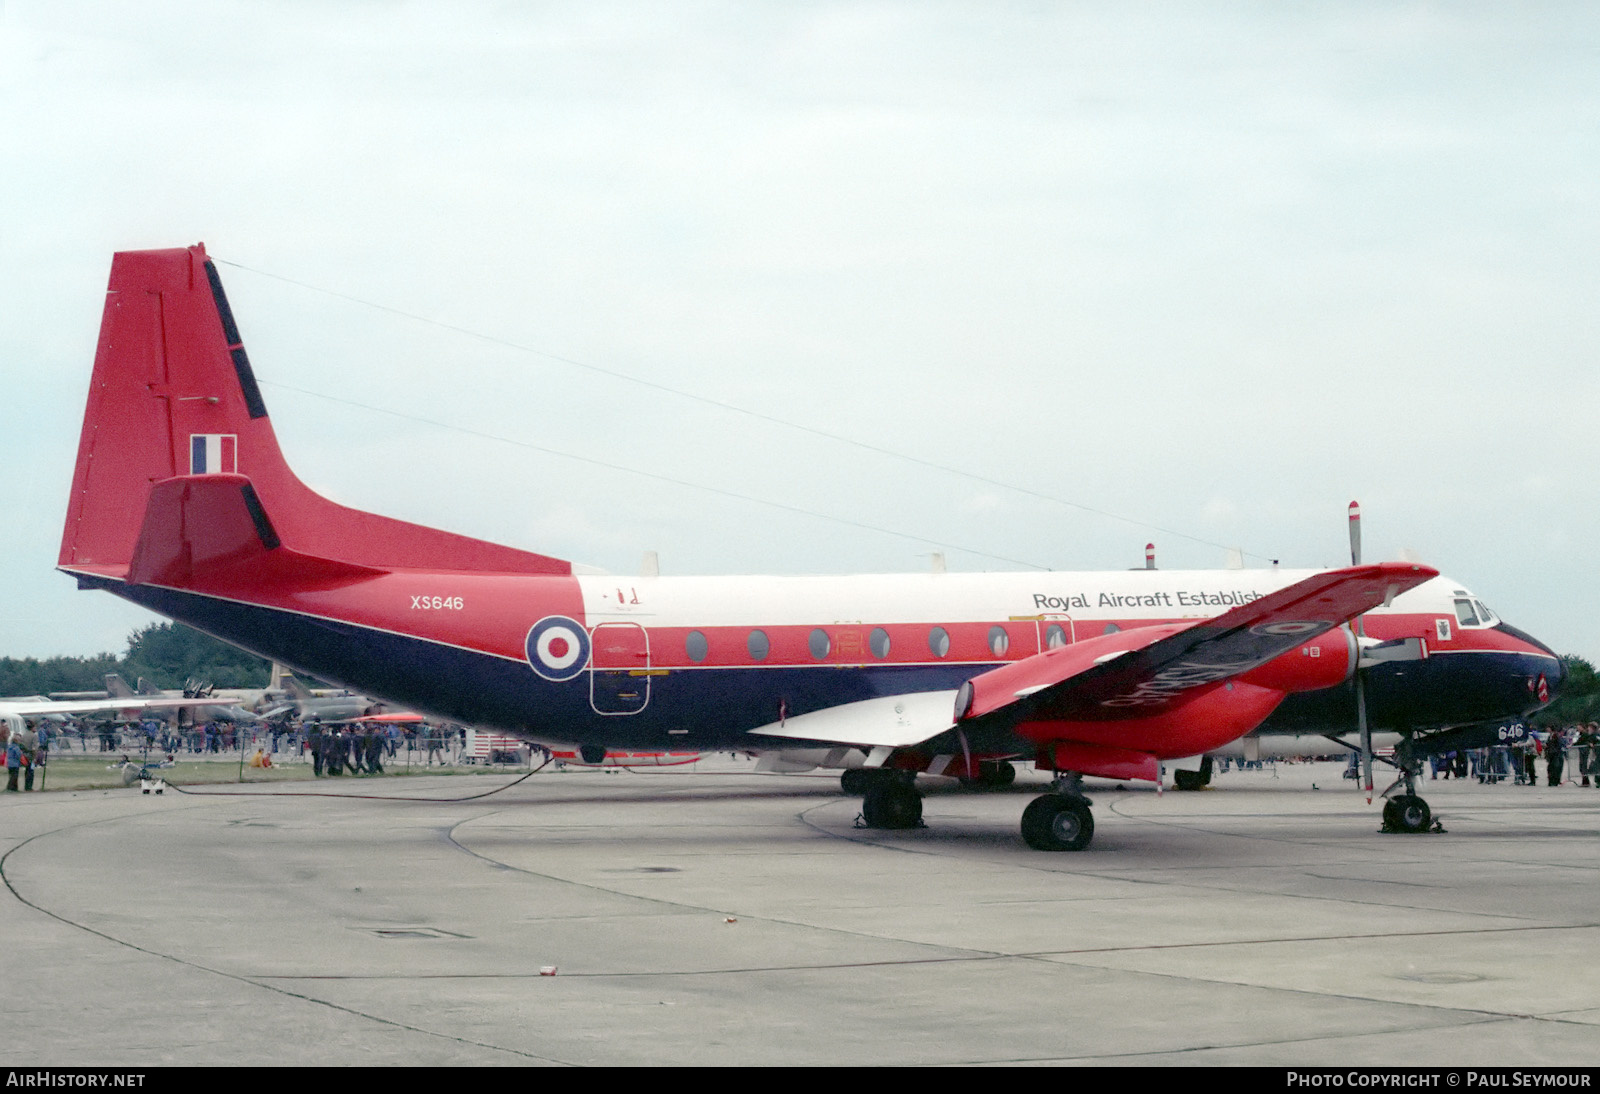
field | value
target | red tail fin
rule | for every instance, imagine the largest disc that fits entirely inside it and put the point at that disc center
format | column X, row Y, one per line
column 174, row 395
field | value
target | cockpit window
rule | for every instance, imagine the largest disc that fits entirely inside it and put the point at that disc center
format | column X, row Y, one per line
column 1484, row 613
column 1465, row 615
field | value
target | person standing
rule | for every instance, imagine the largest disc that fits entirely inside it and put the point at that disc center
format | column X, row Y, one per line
column 13, row 762
column 1555, row 754
column 357, row 752
column 1588, row 747
column 28, row 741
column 314, row 743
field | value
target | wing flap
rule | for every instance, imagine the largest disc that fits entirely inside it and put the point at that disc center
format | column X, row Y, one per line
column 890, row 721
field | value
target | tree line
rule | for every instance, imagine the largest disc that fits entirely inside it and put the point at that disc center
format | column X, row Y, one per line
column 169, row 654
column 1579, row 700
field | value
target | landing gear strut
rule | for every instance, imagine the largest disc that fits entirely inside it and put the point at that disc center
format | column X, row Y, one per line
column 1059, row 821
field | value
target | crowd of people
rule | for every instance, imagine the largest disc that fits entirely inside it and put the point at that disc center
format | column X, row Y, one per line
column 333, row 748
column 1519, row 761
column 26, row 751
column 337, row 748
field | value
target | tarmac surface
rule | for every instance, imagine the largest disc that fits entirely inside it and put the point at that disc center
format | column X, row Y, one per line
column 709, row 915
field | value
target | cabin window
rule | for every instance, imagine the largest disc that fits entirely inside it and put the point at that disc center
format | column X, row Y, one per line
column 999, row 641
column 878, row 642
column 758, row 645
column 696, row 646
column 1112, row 628
column 939, row 641
column 1055, row 636
column 819, row 643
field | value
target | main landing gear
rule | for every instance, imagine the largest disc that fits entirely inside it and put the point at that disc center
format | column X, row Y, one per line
column 1059, row 821
column 1407, row 813
column 889, row 800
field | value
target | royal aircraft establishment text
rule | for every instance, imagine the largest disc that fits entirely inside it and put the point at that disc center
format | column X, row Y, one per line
column 1183, row 598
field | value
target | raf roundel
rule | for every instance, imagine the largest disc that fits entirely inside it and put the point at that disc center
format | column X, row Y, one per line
column 1288, row 628
column 558, row 648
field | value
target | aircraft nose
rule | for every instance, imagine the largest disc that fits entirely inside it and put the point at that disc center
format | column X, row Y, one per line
column 1546, row 683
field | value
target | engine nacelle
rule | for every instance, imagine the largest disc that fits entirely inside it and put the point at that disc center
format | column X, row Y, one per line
column 1324, row 662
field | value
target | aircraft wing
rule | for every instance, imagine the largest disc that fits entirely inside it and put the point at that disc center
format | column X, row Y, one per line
column 1159, row 668
column 1132, row 674
column 31, row 708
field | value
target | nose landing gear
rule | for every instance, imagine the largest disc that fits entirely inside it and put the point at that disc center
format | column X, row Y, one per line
column 1407, row 813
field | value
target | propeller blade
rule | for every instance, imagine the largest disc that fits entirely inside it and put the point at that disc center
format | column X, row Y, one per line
column 1361, row 683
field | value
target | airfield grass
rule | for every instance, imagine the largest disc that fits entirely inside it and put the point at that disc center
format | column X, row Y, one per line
column 103, row 771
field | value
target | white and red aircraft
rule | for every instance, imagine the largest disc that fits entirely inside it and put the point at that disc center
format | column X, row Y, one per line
column 182, row 502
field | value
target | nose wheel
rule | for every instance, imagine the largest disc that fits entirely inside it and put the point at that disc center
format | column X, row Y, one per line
column 1406, row 813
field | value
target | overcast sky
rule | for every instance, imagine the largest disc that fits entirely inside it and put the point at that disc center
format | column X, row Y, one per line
column 1216, row 269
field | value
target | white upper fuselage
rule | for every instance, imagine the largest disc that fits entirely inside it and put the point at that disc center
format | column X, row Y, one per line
column 1121, row 596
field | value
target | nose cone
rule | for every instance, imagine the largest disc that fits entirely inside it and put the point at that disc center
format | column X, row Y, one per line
column 1556, row 678
column 1550, row 671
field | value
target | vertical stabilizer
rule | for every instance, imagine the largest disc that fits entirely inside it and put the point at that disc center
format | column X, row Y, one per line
column 174, row 394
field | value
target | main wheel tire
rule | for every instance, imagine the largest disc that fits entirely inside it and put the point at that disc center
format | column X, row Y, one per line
column 1002, row 773
column 892, row 805
column 856, row 780
column 1057, row 823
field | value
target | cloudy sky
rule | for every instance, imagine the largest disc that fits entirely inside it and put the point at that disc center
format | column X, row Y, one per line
column 826, row 287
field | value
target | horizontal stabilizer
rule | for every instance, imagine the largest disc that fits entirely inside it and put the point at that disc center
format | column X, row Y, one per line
column 202, row 529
